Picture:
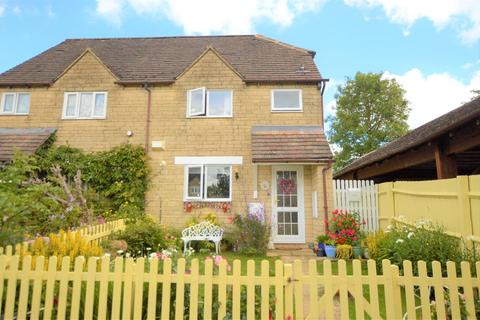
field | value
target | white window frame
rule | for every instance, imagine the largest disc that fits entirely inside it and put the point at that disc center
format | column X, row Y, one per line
column 77, row 105
column 15, row 103
column 203, row 180
column 205, row 107
column 300, row 102
column 189, row 102
column 187, row 170
column 208, row 104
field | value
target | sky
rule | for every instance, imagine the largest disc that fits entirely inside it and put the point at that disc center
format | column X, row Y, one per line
column 431, row 47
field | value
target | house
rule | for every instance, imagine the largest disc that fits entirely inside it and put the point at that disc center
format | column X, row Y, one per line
column 442, row 148
column 225, row 120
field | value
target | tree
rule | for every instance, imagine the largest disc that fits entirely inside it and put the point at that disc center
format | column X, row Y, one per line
column 370, row 112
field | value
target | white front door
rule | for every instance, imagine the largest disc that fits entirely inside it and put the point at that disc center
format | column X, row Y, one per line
column 288, row 214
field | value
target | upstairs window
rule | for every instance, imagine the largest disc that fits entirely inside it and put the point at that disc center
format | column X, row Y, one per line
column 286, row 100
column 15, row 103
column 85, row 105
column 209, row 103
column 208, row 182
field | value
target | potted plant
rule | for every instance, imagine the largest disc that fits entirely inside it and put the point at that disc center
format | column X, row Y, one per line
column 330, row 249
column 357, row 250
column 344, row 251
column 321, row 244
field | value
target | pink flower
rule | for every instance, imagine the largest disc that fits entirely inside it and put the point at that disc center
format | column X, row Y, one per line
column 218, row 259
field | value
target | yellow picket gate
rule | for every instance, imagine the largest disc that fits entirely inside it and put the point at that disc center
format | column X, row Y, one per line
column 152, row 289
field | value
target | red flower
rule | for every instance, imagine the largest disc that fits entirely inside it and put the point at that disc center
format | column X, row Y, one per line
column 339, row 224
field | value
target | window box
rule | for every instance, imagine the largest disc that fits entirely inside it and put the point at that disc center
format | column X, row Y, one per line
column 286, row 100
column 85, row 105
column 15, row 103
column 209, row 103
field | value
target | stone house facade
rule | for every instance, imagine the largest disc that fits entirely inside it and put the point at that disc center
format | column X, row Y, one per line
column 230, row 124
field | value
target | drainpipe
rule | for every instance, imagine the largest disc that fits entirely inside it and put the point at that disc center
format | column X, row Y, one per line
column 149, row 108
column 324, row 178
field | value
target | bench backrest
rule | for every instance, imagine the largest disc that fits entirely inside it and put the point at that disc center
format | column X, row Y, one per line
column 203, row 229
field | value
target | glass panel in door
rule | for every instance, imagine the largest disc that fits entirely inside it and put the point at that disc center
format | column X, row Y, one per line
column 287, row 203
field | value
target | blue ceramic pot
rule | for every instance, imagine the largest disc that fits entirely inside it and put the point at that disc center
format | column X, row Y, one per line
column 321, row 250
column 330, row 251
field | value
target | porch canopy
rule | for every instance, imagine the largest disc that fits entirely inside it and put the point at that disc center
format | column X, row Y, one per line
column 26, row 140
column 289, row 144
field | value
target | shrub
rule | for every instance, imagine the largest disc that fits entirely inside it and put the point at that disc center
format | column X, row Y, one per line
column 322, row 238
column 251, row 233
column 63, row 187
column 197, row 218
column 124, row 186
column 145, row 236
column 345, row 227
column 372, row 240
column 64, row 244
column 29, row 206
column 425, row 241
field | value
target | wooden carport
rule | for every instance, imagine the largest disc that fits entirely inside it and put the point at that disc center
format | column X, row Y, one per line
column 442, row 148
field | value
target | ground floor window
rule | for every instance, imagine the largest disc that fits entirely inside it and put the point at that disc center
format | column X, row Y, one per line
column 208, row 182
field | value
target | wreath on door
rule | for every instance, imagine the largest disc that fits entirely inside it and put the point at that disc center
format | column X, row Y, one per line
column 286, row 185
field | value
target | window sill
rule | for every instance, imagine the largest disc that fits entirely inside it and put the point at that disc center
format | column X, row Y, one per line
column 286, row 111
column 103, row 118
column 208, row 200
column 14, row 114
column 209, row 117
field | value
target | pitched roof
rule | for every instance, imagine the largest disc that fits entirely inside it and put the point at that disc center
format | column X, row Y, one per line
column 418, row 136
column 289, row 144
column 162, row 59
column 24, row 140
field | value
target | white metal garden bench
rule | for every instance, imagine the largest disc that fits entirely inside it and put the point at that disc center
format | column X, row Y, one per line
column 202, row 231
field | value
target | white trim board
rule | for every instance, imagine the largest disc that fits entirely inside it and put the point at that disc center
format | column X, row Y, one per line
column 209, row 160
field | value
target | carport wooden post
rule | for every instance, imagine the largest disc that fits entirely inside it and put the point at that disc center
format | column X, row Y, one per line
column 464, row 206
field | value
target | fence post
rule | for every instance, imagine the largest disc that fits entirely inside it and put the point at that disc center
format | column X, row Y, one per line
column 386, row 206
column 464, row 207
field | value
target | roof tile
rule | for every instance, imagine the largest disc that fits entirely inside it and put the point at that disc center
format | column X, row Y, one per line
column 289, row 144
column 24, row 140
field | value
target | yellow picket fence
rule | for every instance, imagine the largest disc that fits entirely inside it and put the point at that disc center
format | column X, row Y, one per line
column 152, row 289
column 91, row 233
